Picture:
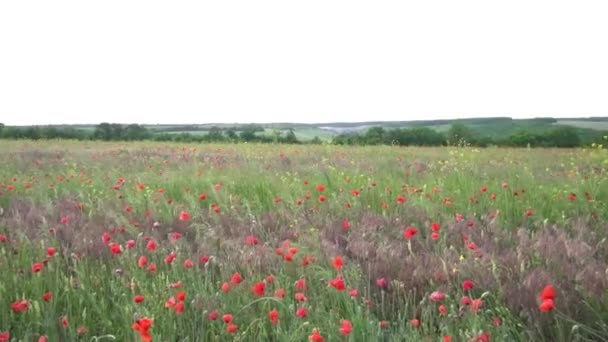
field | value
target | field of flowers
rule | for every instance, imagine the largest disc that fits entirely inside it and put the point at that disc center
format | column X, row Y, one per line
column 166, row 242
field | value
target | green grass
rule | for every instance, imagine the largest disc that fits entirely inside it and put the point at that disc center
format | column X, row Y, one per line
column 68, row 195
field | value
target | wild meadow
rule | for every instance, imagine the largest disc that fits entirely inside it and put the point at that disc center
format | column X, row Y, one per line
column 157, row 241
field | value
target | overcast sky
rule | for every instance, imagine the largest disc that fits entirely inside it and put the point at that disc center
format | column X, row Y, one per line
column 300, row 61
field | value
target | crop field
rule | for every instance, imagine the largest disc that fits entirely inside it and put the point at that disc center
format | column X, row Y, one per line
column 597, row 125
column 185, row 242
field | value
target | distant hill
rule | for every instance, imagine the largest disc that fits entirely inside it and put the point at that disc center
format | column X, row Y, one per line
column 495, row 128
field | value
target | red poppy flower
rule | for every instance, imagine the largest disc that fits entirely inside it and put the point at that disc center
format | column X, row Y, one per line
column 465, row 300
column 170, row 303
column 382, row 283
column 175, row 236
column 142, row 261
column 548, row 293
column 106, row 237
column 437, row 296
column 143, row 326
column 181, row 296
column 316, row 336
column 300, row 297
column 231, row 328
column 252, row 240
column 338, row 284
column 50, row 252
column 435, row 236
column 188, row 263
column 468, row 285
column 225, row 287
column 442, row 310
column 5, row 336
column 301, row 285
column 20, row 306
column 338, row 262
column 179, row 308
column 415, row 323
column 273, row 315
column 476, row 304
column 409, row 232
column 345, row 327
column 280, row 293
column 115, row 248
column 236, row 279
column 151, row 245
column 47, row 296
column 227, row 318
column 37, row 267
column 484, row 337
column 170, row 257
column 258, row 288
column 546, row 305
column 301, row 312
column 184, row 216
column 138, row 299
column 307, row 260
column 320, row 188
column 213, row 315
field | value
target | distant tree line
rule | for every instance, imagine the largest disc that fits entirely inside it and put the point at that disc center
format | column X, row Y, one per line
column 460, row 134
column 457, row 134
column 118, row 132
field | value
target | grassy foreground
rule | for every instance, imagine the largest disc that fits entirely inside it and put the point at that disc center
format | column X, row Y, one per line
column 167, row 242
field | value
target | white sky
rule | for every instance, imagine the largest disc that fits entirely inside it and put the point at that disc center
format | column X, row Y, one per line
column 300, row 61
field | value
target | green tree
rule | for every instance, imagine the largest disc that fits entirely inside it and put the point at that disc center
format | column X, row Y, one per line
column 459, row 133
column 316, row 141
column 103, row 131
column 215, row 134
column 374, row 136
column 564, row 136
column 231, row 134
column 135, row 132
column 290, row 137
column 248, row 135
